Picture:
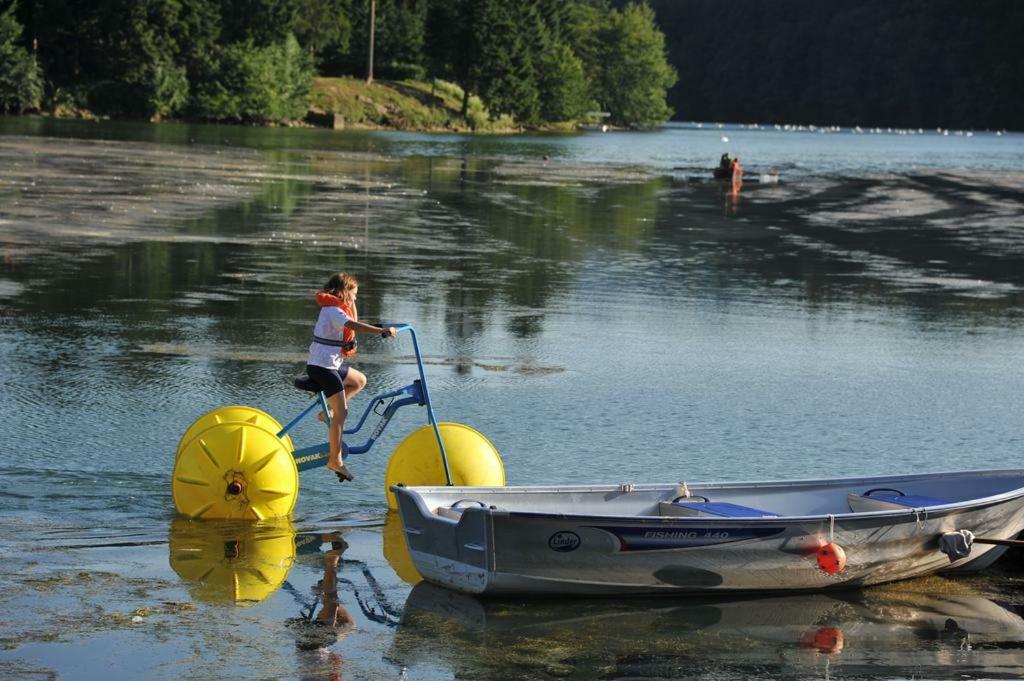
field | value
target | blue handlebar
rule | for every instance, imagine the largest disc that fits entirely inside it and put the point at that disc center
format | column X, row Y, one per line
column 400, row 327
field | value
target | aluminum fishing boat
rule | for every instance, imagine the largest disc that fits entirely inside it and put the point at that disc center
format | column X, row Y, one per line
column 714, row 537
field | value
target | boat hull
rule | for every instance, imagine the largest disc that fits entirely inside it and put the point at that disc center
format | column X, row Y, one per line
column 493, row 551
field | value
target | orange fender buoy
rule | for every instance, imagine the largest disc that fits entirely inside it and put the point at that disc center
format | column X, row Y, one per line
column 831, row 558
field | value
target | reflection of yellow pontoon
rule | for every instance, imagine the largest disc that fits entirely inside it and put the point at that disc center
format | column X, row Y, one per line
column 238, row 462
column 229, row 562
column 396, row 551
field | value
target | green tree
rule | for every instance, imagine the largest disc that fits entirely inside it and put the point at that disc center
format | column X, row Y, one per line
column 264, row 22
column 324, row 28
column 398, row 41
column 564, row 88
column 21, row 85
column 248, row 83
column 142, row 62
column 452, row 50
column 635, row 74
column 504, row 64
column 584, row 20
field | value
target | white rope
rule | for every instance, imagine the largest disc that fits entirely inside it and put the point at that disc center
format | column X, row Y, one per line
column 831, row 528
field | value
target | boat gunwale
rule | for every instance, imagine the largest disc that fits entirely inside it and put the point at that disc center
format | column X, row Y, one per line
column 936, row 511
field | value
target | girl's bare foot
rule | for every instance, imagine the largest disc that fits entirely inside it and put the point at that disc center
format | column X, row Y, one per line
column 341, row 470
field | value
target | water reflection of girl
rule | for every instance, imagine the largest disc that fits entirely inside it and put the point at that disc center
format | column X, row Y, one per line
column 317, row 630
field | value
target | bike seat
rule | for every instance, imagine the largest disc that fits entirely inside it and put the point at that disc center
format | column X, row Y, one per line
column 304, row 382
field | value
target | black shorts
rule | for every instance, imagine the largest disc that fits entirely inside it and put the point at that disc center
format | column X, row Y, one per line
column 331, row 381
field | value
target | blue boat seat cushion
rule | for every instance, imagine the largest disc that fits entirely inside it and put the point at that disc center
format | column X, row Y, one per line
column 718, row 509
column 911, row 500
column 891, row 500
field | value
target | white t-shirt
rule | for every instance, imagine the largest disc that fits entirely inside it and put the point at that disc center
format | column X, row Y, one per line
column 331, row 325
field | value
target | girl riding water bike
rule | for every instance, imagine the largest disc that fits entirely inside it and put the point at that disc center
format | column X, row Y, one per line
column 334, row 341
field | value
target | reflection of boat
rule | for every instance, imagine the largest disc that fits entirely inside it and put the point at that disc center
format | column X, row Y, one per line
column 715, row 537
column 235, row 562
column 759, row 178
column 724, row 175
column 885, row 629
column 748, row 178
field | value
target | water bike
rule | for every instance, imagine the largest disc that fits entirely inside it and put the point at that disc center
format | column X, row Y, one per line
column 239, row 462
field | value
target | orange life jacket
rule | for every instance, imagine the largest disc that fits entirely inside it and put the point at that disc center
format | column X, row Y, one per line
column 348, row 339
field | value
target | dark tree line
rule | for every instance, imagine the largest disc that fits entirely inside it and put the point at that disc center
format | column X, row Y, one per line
column 255, row 60
column 907, row 63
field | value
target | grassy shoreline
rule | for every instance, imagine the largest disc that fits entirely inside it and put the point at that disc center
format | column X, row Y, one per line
column 352, row 103
column 413, row 105
column 399, row 105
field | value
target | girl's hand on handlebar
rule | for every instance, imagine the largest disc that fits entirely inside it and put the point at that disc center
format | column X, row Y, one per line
column 388, row 332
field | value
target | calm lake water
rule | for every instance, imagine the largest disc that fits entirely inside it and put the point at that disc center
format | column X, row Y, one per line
column 584, row 301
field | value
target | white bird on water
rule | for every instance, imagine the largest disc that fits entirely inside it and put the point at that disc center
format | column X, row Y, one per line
column 725, row 138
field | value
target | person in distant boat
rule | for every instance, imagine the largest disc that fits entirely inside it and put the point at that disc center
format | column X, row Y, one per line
column 736, row 175
column 724, row 169
column 334, row 340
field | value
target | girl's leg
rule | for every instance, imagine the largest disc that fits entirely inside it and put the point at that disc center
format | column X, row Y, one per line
column 339, row 410
column 354, row 382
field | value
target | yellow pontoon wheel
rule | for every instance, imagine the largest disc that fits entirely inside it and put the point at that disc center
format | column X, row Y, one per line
column 396, row 551
column 472, row 460
column 231, row 562
column 236, row 470
column 234, row 412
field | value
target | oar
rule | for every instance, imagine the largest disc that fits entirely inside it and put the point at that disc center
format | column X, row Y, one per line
column 958, row 544
column 998, row 542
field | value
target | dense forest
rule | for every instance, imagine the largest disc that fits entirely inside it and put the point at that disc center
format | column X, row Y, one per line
column 906, row 63
column 533, row 61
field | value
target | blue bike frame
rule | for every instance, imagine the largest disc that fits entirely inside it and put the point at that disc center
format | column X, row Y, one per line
column 414, row 393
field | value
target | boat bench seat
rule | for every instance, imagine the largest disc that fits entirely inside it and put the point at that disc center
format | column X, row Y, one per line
column 717, row 509
column 454, row 512
column 891, row 500
column 448, row 512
